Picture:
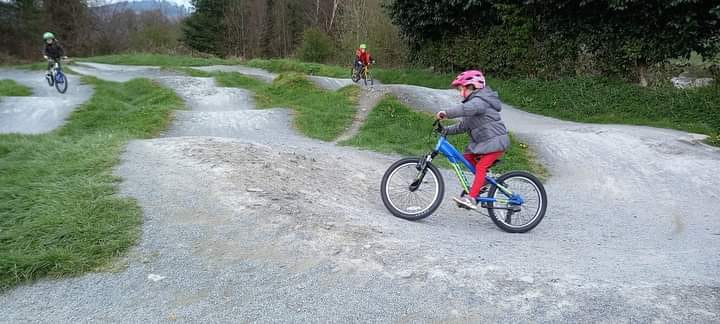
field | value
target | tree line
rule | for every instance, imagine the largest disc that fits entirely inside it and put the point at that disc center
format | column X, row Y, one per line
column 552, row 38
column 84, row 27
column 278, row 28
column 508, row 38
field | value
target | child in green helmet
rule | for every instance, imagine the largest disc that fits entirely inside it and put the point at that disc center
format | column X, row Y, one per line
column 362, row 57
column 52, row 52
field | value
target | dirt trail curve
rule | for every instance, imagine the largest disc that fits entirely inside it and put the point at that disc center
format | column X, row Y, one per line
column 44, row 110
column 245, row 220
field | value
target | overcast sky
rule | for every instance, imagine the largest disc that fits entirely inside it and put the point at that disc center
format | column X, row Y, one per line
column 182, row 2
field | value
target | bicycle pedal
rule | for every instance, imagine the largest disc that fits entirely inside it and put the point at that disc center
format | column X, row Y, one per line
column 459, row 205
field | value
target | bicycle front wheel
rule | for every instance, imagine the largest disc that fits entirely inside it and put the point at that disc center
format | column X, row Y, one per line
column 510, row 216
column 406, row 197
column 354, row 75
column 61, row 83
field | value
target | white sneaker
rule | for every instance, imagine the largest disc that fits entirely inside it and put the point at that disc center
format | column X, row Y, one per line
column 466, row 202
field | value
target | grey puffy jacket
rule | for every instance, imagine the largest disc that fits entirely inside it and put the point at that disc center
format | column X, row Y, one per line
column 480, row 113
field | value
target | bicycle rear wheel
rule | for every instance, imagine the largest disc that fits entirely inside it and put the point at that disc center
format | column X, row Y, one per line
column 410, row 202
column 61, row 83
column 514, row 218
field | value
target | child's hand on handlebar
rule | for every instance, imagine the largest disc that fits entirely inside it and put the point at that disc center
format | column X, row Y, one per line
column 440, row 115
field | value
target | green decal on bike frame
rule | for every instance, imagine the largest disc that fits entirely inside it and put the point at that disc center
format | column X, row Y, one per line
column 505, row 190
column 461, row 176
column 502, row 201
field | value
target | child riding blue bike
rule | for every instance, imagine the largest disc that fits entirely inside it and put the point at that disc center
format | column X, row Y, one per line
column 412, row 188
column 52, row 51
column 480, row 113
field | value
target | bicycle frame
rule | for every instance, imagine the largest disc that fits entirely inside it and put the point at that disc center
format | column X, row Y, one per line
column 457, row 160
column 57, row 69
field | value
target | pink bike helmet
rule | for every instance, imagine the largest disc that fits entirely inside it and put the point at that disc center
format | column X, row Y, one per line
column 469, row 77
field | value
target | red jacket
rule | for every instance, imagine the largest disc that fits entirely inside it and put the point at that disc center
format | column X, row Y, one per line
column 363, row 57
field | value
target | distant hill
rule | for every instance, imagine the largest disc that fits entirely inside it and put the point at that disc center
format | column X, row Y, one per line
column 168, row 9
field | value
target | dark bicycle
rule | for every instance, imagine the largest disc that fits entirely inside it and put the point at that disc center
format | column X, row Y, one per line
column 363, row 73
column 57, row 77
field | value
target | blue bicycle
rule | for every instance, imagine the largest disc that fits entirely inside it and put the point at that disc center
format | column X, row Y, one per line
column 413, row 188
column 57, row 78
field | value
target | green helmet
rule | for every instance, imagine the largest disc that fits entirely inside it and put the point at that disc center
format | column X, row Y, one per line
column 48, row 35
column 363, row 46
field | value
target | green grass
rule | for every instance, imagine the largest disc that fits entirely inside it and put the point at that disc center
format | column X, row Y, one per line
column 42, row 66
column 289, row 65
column 392, row 127
column 605, row 101
column 319, row 113
column 421, row 78
column 159, row 60
column 237, row 80
column 388, row 76
column 37, row 66
column 10, row 88
column 59, row 209
column 188, row 71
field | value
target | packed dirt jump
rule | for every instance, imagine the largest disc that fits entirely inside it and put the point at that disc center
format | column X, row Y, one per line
column 247, row 220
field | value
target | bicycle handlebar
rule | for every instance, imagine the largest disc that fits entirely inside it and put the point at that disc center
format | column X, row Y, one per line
column 438, row 127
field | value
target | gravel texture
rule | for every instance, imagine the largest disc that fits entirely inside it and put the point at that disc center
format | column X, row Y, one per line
column 245, row 220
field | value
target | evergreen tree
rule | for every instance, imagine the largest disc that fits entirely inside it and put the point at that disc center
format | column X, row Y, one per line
column 203, row 30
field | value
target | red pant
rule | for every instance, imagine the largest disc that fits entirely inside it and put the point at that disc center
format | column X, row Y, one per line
column 482, row 162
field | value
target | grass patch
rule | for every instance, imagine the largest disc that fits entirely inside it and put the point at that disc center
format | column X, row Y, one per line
column 393, row 127
column 38, row 66
column 159, row 60
column 713, row 140
column 42, row 66
column 188, row 71
column 288, row 65
column 59, row 209
column 319, row 113
column 389, row 76
column 605, row 101
column 421, row 78
column 10, row 88
column 237, row 80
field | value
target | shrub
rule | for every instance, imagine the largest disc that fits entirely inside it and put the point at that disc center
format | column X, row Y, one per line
column 316, row 46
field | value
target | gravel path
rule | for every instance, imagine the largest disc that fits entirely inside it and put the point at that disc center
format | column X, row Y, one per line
column 44, row 110
column 245, row 220
column 368, row 99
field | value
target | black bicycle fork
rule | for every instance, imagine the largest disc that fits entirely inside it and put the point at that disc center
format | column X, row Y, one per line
column 421, row 166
